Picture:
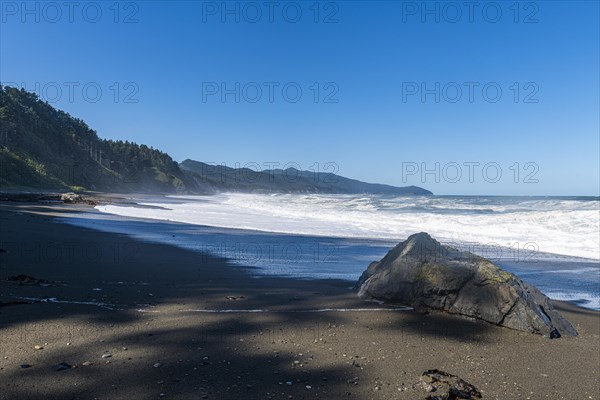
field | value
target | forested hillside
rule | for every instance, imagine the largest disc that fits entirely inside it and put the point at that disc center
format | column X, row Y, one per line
column 45, row 148
column 217, row 178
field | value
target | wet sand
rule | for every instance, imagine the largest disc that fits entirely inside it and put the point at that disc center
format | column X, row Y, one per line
column 184, row 325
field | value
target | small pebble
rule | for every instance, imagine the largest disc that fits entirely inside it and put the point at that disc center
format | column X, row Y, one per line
column 86, row 363
column 157, row 365
column 38, row 347
column 61, row 367
column 107, row 355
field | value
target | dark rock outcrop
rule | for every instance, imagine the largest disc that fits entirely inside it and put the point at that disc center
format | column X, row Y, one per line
column 446, row 386
column 424, row 274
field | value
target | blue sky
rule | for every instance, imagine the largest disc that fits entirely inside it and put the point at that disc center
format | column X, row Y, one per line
column 389, row 90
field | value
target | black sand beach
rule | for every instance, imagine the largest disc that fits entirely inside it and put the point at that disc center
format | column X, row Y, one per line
column 146, row 327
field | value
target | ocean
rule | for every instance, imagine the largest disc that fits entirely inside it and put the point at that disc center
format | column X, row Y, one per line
column 550, row 242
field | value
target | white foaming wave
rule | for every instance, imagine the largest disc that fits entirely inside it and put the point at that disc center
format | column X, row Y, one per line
column 567, row 227
column 587, row 300
column 576, row 271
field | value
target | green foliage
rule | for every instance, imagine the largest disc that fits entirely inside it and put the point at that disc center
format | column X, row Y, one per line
column 45, row 148
column 216, row 178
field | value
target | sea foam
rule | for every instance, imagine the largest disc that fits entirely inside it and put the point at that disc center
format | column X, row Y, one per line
column 530, row 227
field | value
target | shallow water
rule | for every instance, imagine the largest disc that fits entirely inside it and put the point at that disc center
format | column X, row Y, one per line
column 557, row 225
column 320, row 257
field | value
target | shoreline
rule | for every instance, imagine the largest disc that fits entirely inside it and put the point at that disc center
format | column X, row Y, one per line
column 136, row 200
column 230, row 355
column 515, row 251
column 261, row 253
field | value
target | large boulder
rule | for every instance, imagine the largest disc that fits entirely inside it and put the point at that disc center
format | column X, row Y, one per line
column 424, row 274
